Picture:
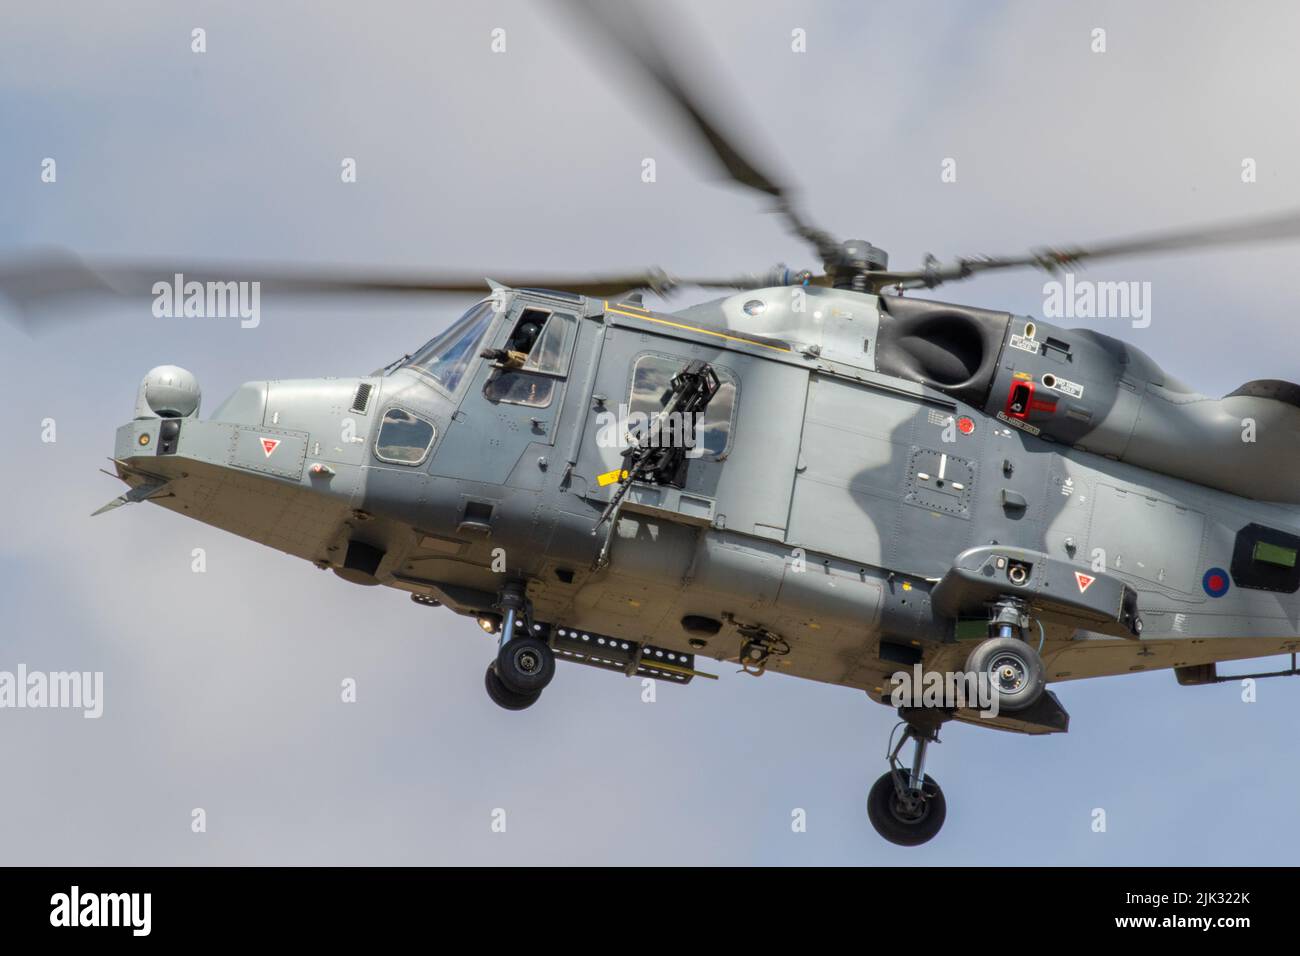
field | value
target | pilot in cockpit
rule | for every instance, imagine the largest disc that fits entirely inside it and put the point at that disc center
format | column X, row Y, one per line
column 518, row 348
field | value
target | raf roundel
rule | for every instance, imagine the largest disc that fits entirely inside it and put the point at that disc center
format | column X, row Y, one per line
column 1215, row 582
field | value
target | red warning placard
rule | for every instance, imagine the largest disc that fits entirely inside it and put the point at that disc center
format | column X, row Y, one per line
column 1085, row 580
column 269, row 445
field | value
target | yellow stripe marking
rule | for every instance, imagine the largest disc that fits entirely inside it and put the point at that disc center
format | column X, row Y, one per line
column 609, row 477
column 674, row 668
column 693, row 328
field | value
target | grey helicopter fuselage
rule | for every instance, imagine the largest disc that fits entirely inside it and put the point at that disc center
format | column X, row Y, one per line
column 872, row 471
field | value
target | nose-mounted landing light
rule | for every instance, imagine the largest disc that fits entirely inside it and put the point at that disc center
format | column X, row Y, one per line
column 491, row 623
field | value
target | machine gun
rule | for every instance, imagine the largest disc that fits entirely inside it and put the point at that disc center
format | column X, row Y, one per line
column 652, row 460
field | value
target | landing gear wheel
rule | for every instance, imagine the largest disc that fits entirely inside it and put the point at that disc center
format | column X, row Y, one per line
column 1014, row 670
column 902, row 816
column 503, row 696
column 525, row 665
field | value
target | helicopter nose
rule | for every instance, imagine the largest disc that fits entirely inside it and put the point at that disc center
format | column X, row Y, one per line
column 326, row 422
column 245, row 406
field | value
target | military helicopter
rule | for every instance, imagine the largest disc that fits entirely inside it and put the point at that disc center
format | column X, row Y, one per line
column 815, row 475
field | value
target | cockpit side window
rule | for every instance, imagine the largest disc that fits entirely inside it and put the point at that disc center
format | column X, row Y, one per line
column 652, row 377
column 403, row 439
column 446, row 358
column 550, row 354
column 535, row 358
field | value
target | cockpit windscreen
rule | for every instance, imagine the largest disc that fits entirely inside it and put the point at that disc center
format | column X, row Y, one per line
column 448, row 355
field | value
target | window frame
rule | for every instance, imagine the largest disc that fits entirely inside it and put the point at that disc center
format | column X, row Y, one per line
column 726, row 376
column 558, row 377
column 568, row 348
column 428, row 449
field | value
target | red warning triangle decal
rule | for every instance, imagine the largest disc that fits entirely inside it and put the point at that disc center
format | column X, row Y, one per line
column 1085, row 580
column 269, row 445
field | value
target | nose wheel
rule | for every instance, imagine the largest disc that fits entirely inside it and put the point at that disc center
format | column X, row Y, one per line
column 525, row 663
column 905, row 805
column 503, row 696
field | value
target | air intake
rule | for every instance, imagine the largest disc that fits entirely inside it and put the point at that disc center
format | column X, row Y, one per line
column 362, row 400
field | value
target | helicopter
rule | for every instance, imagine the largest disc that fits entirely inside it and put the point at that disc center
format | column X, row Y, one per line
column 817, row 474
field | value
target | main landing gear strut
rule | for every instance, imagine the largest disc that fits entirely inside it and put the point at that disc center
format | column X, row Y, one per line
column 525, row 663
column 906, row 806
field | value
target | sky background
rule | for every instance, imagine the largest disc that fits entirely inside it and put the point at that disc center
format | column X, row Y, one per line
column 222, row 689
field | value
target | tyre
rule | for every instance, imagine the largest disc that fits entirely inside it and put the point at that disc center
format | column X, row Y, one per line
column 503, row 696
column 1014, row 671
column 525, row 664
column 903, row 822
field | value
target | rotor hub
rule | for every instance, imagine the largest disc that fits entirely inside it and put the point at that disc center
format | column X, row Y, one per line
column 853, row 259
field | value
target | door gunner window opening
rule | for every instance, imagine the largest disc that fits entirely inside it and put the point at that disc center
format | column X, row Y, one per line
column 652, row 377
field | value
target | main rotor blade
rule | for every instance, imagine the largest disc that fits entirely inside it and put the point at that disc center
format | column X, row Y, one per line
column 53, row 277
column 54, row 274
column 1278, row 228
column 625, row 27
